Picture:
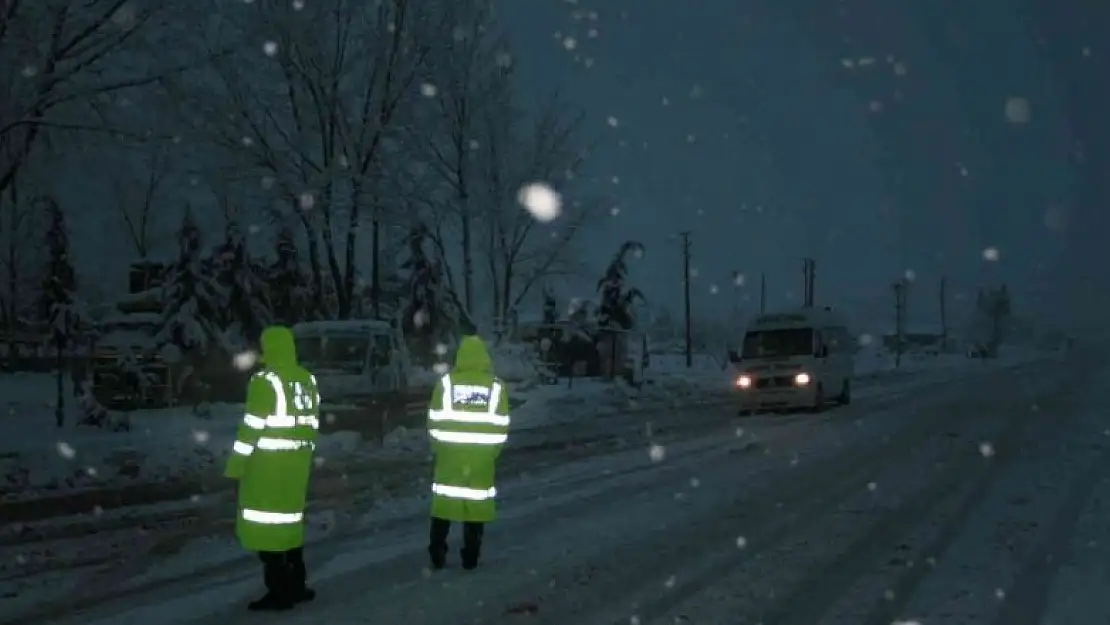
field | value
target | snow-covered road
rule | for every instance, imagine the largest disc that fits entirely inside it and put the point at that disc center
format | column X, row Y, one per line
column 942, row 508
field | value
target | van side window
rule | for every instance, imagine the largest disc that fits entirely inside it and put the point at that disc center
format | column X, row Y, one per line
column 837, row 338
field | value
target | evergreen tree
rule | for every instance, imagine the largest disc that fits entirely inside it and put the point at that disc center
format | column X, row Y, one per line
column 550, row 307
column 191, row 298
column 247, row 308
column 429, row 313
column 615, row 310
column 289, row 294
column 59, row 304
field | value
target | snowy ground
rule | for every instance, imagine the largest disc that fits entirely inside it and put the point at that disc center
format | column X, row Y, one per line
column 888, row 477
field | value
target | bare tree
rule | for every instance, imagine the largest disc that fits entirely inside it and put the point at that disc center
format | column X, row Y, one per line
column 468, row 73
column 20, row 226
column 517, row 150
column 317, row 117
column 138, row 194
column 60, row 60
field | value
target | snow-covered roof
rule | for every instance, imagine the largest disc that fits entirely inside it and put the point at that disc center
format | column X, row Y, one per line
column 346, row 326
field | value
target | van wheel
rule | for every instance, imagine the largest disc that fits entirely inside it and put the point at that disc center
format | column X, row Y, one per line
column 845, row 394
column 818, row 400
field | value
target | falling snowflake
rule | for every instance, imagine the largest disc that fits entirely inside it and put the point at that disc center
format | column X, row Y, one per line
column 270, row 48
column 739, row 432
column 1055, row 218
column 570, row 43
column 999, row 594
column 247, row 142
column 741, row 542
column 986, row 450
column 30, row 71
column 872, row 486
column 543, row 202
column 888, row 595
column 634, row 620
column 201, row 436
column 243, row 361
column 441, row 349
column 66, row 450
column 713, row 290
column 990, row 254
column 441, row 368
column 1018, row 111
column 911, row 275
column 657, row 453
column 669, row 583
column 900, row 69
column 298, row 5
column 615, row 211
column 738, row 279
column 504, row 60
column 428, row 90
column 866, row 339
column 695, row 482
column 613, row 121
column 307, row 201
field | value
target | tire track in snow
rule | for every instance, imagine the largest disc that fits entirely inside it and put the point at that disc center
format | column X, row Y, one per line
column 578, row 590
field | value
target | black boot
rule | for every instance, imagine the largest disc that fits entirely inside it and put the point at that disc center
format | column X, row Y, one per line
column 274, row 575
column 299, row 592
column 472, row 545
column 437, row 542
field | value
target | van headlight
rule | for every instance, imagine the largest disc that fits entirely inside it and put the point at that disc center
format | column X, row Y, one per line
column 801, row 379
column 744, row 381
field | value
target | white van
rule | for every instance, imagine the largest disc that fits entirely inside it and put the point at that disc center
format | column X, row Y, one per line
column 801, row 359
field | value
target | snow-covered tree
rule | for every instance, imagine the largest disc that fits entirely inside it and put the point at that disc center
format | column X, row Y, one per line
column 191, row 299
column 290, row 294
column 550, row 307
column 430, row 312
column 317, row 110
column 247, row 308
column 616, row 309
column 993, row 313
column 60, row 306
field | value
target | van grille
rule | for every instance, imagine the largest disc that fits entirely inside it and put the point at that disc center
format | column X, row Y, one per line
column 778, row 381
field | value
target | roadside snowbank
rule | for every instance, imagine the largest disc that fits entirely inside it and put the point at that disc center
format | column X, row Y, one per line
column 38, row 459
column 174, row 445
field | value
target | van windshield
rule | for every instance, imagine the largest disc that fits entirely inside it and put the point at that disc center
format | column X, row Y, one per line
column 336, row 353
column 778, row 343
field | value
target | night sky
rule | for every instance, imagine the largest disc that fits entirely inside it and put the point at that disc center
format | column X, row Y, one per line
column 875, row 136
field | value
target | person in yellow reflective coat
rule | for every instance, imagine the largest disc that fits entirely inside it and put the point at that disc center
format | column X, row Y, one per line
column 468, row 423
column 272, row 460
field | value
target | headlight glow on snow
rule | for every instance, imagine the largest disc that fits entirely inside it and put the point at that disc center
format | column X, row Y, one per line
column 801, row 379
column 744, row 381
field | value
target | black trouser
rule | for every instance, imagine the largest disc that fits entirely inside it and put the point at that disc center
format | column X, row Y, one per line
column 283, row 572
column 472, row 539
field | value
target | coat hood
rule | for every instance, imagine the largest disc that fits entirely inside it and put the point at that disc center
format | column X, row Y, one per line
column 472, row 356
column 278, row 348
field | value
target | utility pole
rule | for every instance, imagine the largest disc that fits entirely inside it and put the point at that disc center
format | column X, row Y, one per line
column 762, row 293
column 900, row 287
column 809, row 273
column 943, row 314
column 686, row 296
